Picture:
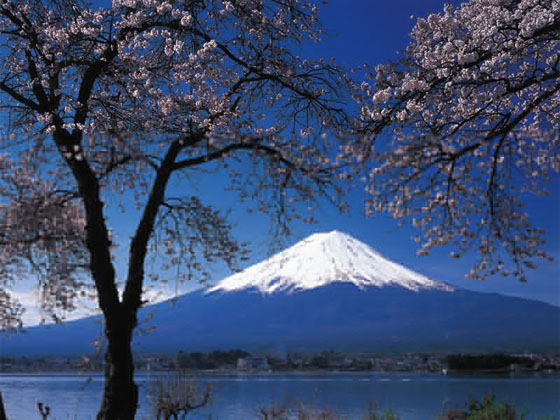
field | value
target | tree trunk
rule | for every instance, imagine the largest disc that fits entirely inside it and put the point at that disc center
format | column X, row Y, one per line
column 120, row 395
column 2, row 411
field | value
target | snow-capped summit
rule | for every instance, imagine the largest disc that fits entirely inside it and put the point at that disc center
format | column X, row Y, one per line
column 323, row 258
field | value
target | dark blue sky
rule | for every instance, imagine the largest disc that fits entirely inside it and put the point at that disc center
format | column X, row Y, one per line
column 371, row 31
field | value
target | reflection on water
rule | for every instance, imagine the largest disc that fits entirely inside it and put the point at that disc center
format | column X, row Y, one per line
column 240, row 395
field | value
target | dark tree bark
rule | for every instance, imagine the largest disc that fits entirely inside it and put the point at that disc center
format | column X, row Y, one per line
column 120, row 394
column 2, row 411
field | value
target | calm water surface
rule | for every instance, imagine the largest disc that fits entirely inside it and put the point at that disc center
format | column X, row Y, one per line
column 414, row 396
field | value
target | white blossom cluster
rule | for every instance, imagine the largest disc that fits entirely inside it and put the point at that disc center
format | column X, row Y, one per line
column 222, row 73
column 474, row 109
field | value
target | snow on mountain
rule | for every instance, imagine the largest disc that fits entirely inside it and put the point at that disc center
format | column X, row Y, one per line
column 34, row 315
column 316, row 261
column 84, row 306
column 323, row 258
column 416, row 314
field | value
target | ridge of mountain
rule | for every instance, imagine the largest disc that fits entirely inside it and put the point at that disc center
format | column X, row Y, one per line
column 329, row 291
column 337, row 316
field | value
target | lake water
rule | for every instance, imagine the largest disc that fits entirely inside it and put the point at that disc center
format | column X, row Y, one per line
column 414, row 396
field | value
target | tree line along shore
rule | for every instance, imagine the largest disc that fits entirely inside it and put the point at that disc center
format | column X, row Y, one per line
column 240, row 360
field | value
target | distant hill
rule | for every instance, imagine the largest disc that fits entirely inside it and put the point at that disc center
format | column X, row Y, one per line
column 329, row 291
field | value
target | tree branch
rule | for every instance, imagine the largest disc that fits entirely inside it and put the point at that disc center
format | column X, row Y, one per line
column 18, row 97
column 132, row 296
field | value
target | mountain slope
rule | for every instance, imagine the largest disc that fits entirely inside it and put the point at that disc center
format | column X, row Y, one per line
column 323, row 258
column 336, row 316
column 340, row 315
column 327, row 292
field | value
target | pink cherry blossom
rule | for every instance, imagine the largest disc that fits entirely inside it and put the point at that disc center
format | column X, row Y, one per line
column 472, row 118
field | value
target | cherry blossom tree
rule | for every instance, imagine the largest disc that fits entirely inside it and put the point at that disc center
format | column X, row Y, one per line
column 127, row 98
column 472, row 117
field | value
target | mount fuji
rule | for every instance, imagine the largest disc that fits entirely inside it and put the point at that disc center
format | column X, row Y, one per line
column 328, row 291
column 324, row 258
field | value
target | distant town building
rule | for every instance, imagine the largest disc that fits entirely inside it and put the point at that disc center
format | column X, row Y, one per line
column 252, row 363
